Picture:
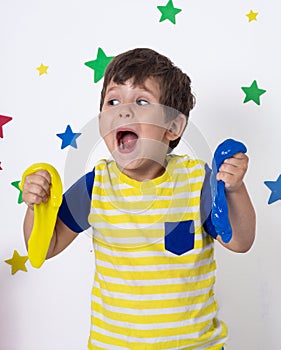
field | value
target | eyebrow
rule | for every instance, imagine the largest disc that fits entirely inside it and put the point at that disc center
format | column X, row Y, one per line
column 142, row 87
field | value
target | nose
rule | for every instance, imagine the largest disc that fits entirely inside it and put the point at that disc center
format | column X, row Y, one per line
column 125, row 112
column 124, row 115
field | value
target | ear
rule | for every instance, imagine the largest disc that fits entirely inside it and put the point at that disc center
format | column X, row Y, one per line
column 176, row 127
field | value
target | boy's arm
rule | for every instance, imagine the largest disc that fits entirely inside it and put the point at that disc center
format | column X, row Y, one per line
column 73, row 213
column 36, row 190
column 240, row 209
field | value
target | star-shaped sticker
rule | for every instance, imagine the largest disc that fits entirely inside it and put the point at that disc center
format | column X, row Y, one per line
column 99, row 64
column 16, row 184
column 68, row 137
column 42, row 69
column 17, row 262
column 3, row 120
column 275, row 187
column 169, row 12
column 252, row 16
column 253, row 93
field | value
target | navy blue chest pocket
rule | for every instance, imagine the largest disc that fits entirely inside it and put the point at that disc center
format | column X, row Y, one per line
column 179, row 236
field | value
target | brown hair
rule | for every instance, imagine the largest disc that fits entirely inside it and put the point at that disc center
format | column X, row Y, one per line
column 142, row 63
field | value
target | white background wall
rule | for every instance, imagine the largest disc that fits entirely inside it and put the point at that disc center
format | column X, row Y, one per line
column 49, row 308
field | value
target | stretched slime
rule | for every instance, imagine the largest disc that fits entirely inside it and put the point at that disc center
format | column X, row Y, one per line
column 219, row 216
column 45, row 215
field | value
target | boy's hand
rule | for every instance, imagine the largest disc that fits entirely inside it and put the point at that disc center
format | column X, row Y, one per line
column 36, row 188
column 232, row 171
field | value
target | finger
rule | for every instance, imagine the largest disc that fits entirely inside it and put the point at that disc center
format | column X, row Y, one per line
column 230, row 169
column 41, row 179
column 231, row 181
column 31, row 198
column 237, row 162
column 34, row 194
column 35, row 189
column 44, row 174
column 240, row 155
column 225, row 177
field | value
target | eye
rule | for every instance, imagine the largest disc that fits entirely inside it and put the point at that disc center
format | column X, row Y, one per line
column 142, row 102
column 113, row 102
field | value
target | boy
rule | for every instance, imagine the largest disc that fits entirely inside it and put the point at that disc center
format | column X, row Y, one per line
column 155, row 270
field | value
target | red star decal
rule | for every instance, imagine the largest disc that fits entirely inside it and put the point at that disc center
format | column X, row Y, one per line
column 3, row 120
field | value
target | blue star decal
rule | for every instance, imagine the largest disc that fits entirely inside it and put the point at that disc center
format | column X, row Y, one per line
column 68, row 137
column 275, row 187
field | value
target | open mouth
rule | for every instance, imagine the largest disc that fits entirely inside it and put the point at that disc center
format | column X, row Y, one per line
column 126, row 140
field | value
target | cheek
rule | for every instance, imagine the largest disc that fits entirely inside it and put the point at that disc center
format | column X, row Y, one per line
column 155, row 132
column 109, row 141
column 107, row 134
column 152, row 118
column 105, row 126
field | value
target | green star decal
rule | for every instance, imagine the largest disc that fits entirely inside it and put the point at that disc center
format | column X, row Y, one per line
column 253, row 93
column 169, row 12
column 16, row 185
column 99, row 64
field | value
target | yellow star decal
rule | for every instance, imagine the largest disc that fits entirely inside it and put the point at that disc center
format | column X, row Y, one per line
column 252, row 16
column 42, row 69
column 17, row 262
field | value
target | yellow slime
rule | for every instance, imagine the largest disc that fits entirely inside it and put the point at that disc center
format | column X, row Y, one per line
column 45, row 215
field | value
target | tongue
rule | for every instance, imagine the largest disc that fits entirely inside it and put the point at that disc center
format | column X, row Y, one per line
column 129, row 140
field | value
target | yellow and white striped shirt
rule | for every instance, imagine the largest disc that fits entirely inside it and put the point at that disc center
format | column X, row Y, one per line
column 155, row 269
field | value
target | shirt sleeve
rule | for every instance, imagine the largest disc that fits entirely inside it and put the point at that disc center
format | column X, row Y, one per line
column 76, row 204
column 206, row 204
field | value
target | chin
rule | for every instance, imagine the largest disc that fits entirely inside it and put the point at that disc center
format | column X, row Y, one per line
column 129, row 164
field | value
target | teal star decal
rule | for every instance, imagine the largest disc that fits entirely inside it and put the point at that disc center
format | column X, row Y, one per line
column 168, row 12
column 275, row 187
column 16, row 185
column 68, row 137
column 253, row 93
column 99, row 64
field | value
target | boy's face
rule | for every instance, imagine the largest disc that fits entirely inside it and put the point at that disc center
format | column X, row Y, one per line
column 133, row 126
